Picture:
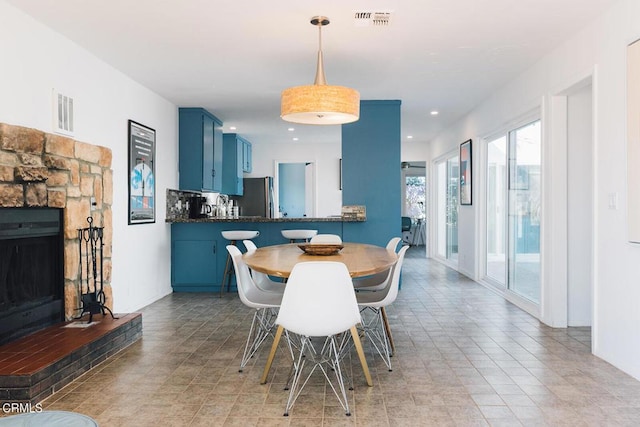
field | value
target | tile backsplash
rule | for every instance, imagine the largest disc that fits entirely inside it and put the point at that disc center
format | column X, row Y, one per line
column 178, row 203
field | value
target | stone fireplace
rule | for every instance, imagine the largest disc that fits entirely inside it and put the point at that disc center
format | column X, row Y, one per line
column 39, row 170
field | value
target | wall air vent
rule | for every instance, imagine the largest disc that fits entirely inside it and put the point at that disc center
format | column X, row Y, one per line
column 62, row 114
column 372, row 19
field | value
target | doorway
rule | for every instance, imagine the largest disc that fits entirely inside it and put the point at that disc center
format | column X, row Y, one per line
column 414, row 190
column 295, row 189
column 579, row 204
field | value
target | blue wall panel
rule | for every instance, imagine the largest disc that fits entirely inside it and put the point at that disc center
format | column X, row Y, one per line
column 371, row 172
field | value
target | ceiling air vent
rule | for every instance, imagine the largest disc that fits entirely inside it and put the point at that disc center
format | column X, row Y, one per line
column 372, row 19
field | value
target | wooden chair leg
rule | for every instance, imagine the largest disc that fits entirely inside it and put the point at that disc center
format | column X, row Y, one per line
column 363, row 360
column 387, row 328
column 272, row 355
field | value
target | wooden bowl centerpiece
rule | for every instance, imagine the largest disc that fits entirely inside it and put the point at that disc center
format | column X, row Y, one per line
column 320, row 248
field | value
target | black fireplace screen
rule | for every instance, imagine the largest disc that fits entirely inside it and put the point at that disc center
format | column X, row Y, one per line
column 31, row 271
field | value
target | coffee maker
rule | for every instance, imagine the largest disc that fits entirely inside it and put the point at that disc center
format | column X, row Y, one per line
column 198, row 206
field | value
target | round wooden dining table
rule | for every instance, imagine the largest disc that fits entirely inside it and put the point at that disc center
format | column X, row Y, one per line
column 361, row 260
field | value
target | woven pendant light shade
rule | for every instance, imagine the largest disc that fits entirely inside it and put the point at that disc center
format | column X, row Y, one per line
column 320, row 105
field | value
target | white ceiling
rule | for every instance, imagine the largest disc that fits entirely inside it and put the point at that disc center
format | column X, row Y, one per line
column 234, row 57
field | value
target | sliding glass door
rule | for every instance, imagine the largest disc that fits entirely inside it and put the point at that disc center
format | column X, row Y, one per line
column 497, row 211
column 447, row 208
column 524, row 211
column 513, row 211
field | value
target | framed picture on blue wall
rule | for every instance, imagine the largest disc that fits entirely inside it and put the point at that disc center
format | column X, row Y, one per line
column 466, row 177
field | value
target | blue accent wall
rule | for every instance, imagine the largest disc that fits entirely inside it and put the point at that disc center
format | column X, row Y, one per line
column 371, row 172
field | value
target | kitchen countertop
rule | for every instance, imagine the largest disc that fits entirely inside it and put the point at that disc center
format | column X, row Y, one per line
column 261, row 219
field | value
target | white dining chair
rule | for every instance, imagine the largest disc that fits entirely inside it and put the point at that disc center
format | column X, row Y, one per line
column 264, row 303
column 260, row 279
column 378, row 281
column 393, row 243
column 374, row 321
column 233, row 236
column 319, row 301
column 326, row 239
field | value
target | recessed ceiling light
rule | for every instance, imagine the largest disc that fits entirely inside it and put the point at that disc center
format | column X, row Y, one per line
column 295, row 139
column 409, row 136
column 232, row 128
column 291, row 129
column 434, row 113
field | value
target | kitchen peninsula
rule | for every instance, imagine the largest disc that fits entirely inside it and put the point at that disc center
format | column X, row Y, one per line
column 198, row 250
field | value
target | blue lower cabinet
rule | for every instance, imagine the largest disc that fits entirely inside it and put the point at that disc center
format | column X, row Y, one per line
column 194, row 266
column 199, row 253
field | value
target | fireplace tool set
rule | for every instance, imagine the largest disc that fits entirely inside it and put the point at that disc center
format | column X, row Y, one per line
column 91, row 293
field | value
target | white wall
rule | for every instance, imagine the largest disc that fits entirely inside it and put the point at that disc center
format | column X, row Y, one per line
column 34, row 60
column 413, row 151
column 326, row 158
column 597, row 50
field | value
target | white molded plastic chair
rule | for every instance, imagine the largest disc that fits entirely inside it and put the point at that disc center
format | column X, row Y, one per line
column 326, row 238
column 393, row 243
column 319, row 301
column 260, row 279
column 233, row 236
column 265, row 303
column 378, row 281
column 376, row 326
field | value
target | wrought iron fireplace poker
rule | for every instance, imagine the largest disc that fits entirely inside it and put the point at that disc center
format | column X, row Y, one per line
column 91, row 293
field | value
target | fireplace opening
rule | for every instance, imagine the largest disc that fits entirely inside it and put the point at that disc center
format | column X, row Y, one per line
column 31, row 271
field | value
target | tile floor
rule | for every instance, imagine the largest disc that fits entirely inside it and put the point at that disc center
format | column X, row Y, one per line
column 465, row 357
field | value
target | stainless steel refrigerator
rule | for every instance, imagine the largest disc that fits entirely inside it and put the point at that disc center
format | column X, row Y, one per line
column 257, row 197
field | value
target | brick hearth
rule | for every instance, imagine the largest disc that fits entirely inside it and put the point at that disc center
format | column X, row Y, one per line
column 35, row 366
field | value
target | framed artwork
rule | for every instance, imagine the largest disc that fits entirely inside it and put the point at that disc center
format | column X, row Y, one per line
column 142, row 182
column 466, row 176
column 633, row 142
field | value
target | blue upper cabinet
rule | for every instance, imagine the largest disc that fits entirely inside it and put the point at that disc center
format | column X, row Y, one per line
column 234, row 148
column 246, row 156
column 237, row 160
column 200, row 152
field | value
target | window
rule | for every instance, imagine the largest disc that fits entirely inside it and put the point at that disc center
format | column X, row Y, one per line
column 415, row 196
